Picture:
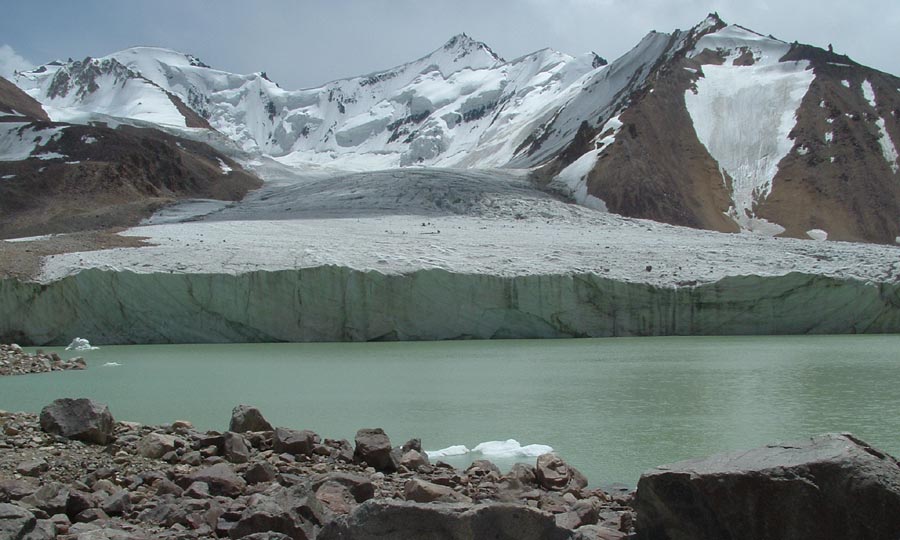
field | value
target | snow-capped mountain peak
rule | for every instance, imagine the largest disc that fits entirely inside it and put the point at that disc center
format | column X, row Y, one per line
column 468, row 53
column 746, row 109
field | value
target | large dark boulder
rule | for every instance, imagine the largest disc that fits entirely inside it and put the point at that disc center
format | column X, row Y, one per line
column 263, row 514
column 294, row 442
column 246, row 418
column 827, row 487
column 373, row 447
column 221, row 479
column 553, row 473
column 390, row 519
column 80, row 419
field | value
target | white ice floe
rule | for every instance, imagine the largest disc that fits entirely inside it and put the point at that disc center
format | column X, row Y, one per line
column 508, row 449
column 111, row 364
column 817, row 234
column 80, row 344
column 456, row 450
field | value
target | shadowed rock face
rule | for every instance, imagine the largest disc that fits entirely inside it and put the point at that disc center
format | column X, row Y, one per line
column 828, row 487
column 402, row 520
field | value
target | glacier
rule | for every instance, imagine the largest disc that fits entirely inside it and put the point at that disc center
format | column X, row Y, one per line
column 512, row 262
column 333, row 303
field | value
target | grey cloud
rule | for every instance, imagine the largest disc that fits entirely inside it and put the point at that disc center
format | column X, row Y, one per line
column 10, row 62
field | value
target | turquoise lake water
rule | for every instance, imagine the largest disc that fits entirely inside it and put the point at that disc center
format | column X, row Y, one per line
column 611, row 407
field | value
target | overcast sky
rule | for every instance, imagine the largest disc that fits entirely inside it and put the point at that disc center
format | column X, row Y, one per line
column 306, row 43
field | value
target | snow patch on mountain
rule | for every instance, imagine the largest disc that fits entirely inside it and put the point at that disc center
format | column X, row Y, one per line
column 888, row 150
column 572, row 180
column 743, row 114
column 598, row 96
column 869, row 93
column 19, row 141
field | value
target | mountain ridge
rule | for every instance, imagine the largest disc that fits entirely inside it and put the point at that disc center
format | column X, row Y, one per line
column 591, row 131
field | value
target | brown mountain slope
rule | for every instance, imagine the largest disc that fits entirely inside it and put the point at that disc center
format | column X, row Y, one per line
column 109, row 178
column 14, row 104
column 839, row 177
column 836, row 177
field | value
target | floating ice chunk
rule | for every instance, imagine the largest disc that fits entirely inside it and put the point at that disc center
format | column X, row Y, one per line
column 457, row 450
column 817, row 234
column 511, row 448
column 80, row 344
column 111, row 364
column 846, row 83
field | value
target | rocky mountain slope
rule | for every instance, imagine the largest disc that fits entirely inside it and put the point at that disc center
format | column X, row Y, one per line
column 59, row 177
column 737, row 131
column 716, row 127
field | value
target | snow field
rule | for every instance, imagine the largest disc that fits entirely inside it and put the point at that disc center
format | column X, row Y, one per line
column 743, row 115
column 515, row 231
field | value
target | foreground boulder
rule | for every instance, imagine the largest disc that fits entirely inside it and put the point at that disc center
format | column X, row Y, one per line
column 80, row 419
column 373, row 447
column 388, row 519
column 15, row 522
column 555, row 474
column 828, row 487
column 246, row 418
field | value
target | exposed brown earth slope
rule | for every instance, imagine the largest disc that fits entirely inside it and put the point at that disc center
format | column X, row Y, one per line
column 110, row 178
column 658, row 169
column 844, row 186
column 14, row 103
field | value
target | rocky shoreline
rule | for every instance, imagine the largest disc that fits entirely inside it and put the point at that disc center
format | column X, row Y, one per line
column 15, row 361
column 75, row 474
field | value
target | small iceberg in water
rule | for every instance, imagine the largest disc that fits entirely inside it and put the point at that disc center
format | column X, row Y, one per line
column 111, row 364
column 511, row 449
column 80, row 344
column 507, row 449
column 458, row 450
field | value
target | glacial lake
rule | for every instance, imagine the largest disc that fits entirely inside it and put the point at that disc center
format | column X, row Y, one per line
column 611, row 407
